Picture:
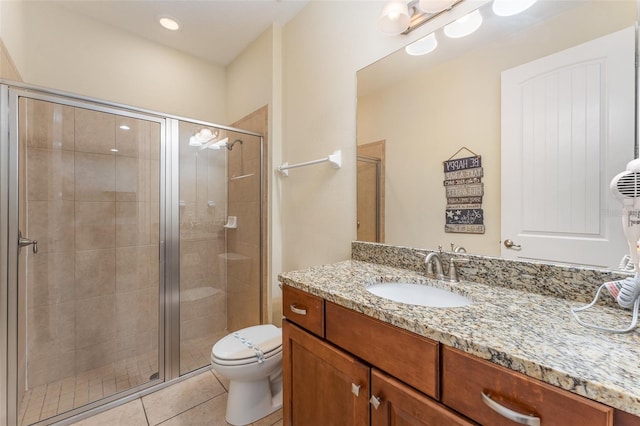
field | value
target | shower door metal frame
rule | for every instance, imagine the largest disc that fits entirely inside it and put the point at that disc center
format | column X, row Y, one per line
column 169, row 245
column 9, row 217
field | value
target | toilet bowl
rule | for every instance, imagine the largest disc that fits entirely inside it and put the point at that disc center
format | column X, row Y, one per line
column 251, row 359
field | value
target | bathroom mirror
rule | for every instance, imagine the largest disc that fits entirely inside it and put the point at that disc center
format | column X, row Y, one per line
column 414, row 112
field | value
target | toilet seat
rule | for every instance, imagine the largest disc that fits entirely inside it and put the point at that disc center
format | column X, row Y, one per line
column 248, row 345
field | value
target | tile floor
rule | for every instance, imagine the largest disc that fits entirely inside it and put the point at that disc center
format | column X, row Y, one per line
column 199, row 400
column 50, row 399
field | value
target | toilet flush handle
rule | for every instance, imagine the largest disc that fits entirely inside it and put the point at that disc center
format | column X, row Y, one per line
column 297, row 310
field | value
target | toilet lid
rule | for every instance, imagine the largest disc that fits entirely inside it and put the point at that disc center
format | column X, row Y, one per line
column 243, row 343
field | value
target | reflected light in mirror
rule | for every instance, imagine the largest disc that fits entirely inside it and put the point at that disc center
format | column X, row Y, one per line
column 201, row 137
column 464, row 26
column 422, row 46
column 435, row 6
column 511, row 7
column 394, row 18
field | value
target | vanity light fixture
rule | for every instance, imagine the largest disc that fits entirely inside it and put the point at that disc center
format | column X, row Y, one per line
column 404, row 16
column 435, row 6
column 422, row 46
column 511, row 7
column 394, row 18
column 169, row 23
column 464, row 26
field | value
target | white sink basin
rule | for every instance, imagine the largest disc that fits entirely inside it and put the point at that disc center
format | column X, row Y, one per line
column 419, row 294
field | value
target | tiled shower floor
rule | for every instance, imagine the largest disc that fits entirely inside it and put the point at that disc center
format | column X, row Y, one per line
column 63, row 395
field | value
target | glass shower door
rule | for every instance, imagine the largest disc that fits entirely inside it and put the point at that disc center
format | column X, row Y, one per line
column 88, row 297
column 220, row 237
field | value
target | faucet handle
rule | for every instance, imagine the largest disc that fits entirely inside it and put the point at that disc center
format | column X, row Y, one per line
column 453, row 270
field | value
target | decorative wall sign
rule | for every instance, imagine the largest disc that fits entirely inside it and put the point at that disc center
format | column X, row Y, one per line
column 464, row 190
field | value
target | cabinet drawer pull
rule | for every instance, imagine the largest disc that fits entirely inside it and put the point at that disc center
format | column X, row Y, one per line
column 375, row 401
column 355, row 389
column 510, row 414
column 297, row 310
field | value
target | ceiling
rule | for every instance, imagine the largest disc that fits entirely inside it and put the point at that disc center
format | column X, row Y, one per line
column 214, row 30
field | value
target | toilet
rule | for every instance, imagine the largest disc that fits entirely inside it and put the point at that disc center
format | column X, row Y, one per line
column 251, row 359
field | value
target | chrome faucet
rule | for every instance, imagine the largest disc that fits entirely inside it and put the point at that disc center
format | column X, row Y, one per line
column 431, row 259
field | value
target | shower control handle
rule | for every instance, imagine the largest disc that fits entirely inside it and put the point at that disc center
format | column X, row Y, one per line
column 297, row 310
column 27, row 242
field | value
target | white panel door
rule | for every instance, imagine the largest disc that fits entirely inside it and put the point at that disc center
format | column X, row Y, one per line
column 567, row 130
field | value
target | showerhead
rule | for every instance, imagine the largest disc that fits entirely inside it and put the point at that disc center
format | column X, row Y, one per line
column 230, row 145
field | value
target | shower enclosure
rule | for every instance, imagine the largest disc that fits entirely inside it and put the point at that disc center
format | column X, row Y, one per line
column 131, row 242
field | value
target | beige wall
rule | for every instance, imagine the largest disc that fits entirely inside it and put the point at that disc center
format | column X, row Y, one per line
column 55, row 48
column 323, row 48
column 8, row 70
column 311, row 91
column 421, row 119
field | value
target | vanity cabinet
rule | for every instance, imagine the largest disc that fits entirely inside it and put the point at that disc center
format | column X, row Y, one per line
column 394, row 403
column 345, row 368
column 322, row 385
column 513, row 394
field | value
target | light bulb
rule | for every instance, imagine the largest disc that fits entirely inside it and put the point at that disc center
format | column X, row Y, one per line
column 394, row 18
column 422, row 46
column 464, row 26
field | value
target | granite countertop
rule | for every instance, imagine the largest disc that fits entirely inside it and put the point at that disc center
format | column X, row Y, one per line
column 527, row 332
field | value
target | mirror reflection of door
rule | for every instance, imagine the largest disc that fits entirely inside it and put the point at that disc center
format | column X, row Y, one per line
column 567, row 129
column 370, row 188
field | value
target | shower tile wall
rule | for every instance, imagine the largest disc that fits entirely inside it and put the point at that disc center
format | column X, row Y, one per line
column 203, row 296
column 247, row 281
column 92, row 295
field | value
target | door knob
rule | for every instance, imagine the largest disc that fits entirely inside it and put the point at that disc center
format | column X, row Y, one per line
column 27, row 242
column 510, row 244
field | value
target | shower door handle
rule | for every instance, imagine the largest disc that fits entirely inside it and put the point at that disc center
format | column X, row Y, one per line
column 27, row 242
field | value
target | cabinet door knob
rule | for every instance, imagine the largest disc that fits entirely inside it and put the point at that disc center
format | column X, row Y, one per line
column 514, row 416
column 297, row 310
column 375, row 401
column 355, row 389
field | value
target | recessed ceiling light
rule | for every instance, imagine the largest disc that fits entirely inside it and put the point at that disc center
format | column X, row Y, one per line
column 169, row 23
column 125, row 127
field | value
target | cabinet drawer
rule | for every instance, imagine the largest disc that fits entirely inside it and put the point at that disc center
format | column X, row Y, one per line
column 465, row 378
column 407, row 356
column 303, row 309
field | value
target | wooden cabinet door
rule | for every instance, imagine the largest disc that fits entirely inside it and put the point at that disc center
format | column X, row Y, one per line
column 400, row 405
column 322, row 385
